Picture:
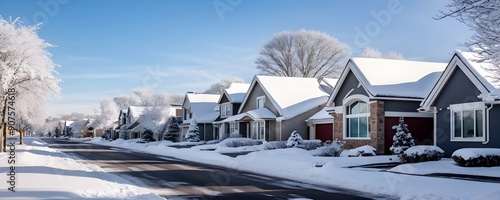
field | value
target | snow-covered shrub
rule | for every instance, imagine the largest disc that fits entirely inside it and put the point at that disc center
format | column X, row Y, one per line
column 212, row 142
column 332, row 149
column 147, row 136
column 239, row 142
column 294, row 140
column 193, row 133
column 422, row 153
column 275, row 145
column 173, row 131
column 402, row 138
column 309, row 144
column 365, row 150
column 477, row 157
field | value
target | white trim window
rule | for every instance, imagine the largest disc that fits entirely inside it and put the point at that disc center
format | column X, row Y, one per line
column 357, row 117
column 233, row 127
column 225, row 110
column 261, row 101
column 468, row 122
column 258, row 129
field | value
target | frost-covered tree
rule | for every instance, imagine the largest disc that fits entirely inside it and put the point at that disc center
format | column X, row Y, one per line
column 124, row 102
column 193, row 133
column 402, row 139
column 25, row 65
column 173, row 131
column 369, row 52
column 294, row 140
column 218, row 88
column 108, row 114
column 483, row 17
column 303, row 53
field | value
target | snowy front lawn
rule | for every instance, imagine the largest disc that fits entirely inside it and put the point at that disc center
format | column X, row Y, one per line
column 44, row 173
column 300, row 165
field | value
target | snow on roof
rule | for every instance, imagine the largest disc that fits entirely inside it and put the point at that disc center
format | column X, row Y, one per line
column 292, row 95
column 261, row 113
column 137, row 111
column 322, row 114
column 397, row 78
column 331, row 81
column 68, row 123
column 237, row 91
column 124, row 111
column 479, row 69
column 235, row 117
column 202, row 106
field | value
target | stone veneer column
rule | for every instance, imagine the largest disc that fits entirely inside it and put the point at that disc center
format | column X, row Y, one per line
column 377, row 122
column 338, row 126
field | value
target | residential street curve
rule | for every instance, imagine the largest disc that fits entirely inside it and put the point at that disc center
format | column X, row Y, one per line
column 177, row 179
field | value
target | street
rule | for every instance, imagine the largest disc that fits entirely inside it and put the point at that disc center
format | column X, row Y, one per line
column 176, row 179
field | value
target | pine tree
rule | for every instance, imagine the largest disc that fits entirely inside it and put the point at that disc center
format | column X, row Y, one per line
column 172, row 131
column 148, row 136
column 193, row 133
column 294, row 140
column 402, row 138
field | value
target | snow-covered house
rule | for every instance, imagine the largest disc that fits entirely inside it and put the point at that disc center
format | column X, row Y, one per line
column 201, row 108
column 228, row 105
column 135, row 129
column 371, row 95
column 122, row 124
column 321, row 124
column 276, row 106
column 464, row 102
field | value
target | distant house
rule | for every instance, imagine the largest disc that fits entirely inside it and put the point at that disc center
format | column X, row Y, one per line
column 321, row 124
column 122, row 124
column 228, row 105
column 372, row 94
column 465, row 104
column 66, row 127
column 135, row 128
column 276, row 106
column 201, row 108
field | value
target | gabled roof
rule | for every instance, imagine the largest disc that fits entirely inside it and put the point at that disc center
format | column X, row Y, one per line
column 389, row 78
column 320, row 115
column 291, row 96
column 202, row 106
column 236, row 92
column 136, row 111
column 476, row 72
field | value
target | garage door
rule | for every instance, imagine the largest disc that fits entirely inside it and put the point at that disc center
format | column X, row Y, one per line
column 324, row 132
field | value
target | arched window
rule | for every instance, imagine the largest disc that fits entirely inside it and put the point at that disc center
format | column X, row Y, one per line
column 357, row 120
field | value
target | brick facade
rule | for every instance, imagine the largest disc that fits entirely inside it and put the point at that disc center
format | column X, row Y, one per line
column 377, row 137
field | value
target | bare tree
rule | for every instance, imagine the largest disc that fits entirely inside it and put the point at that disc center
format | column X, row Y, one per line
column 218, row 88
column 303, row 53
column 483, row 17
column 369, row 52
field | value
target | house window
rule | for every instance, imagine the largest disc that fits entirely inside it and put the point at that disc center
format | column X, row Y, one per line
column 225, row 110
column 467, row 122
column 260, row 101
column 357, row 116
column 187, row 113
column 258, row 130
column 232, row 128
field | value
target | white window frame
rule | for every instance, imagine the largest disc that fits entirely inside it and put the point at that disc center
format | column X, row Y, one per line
column 225, row 110
column 348, row 102
column 255, row 127
column 475, row 106
column 233, row 127
column 263, row 98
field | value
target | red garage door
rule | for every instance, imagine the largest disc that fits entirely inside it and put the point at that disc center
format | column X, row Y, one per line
column 324, row 132
column 421, row 130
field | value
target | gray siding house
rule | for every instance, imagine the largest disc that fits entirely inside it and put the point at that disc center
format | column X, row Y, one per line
column 373, row 93
column 200, row 107
column 276, row 106
column 229, row 104
column 465, row 104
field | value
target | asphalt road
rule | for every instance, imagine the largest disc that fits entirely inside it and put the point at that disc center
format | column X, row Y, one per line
column 177, row 179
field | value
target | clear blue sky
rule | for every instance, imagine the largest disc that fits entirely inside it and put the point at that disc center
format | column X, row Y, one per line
column 109, row 48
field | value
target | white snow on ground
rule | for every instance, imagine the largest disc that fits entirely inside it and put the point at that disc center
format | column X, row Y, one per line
column 298, row 164
column 44, row 173
column 446, row 165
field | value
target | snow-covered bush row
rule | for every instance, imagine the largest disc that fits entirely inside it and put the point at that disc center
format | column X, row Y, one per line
column 366, row 150
column 296, row 141
column 239, row 142
column 275, row 145
column 477, row 157
column 422, row 153
column 309, row 144
column 333, row 149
